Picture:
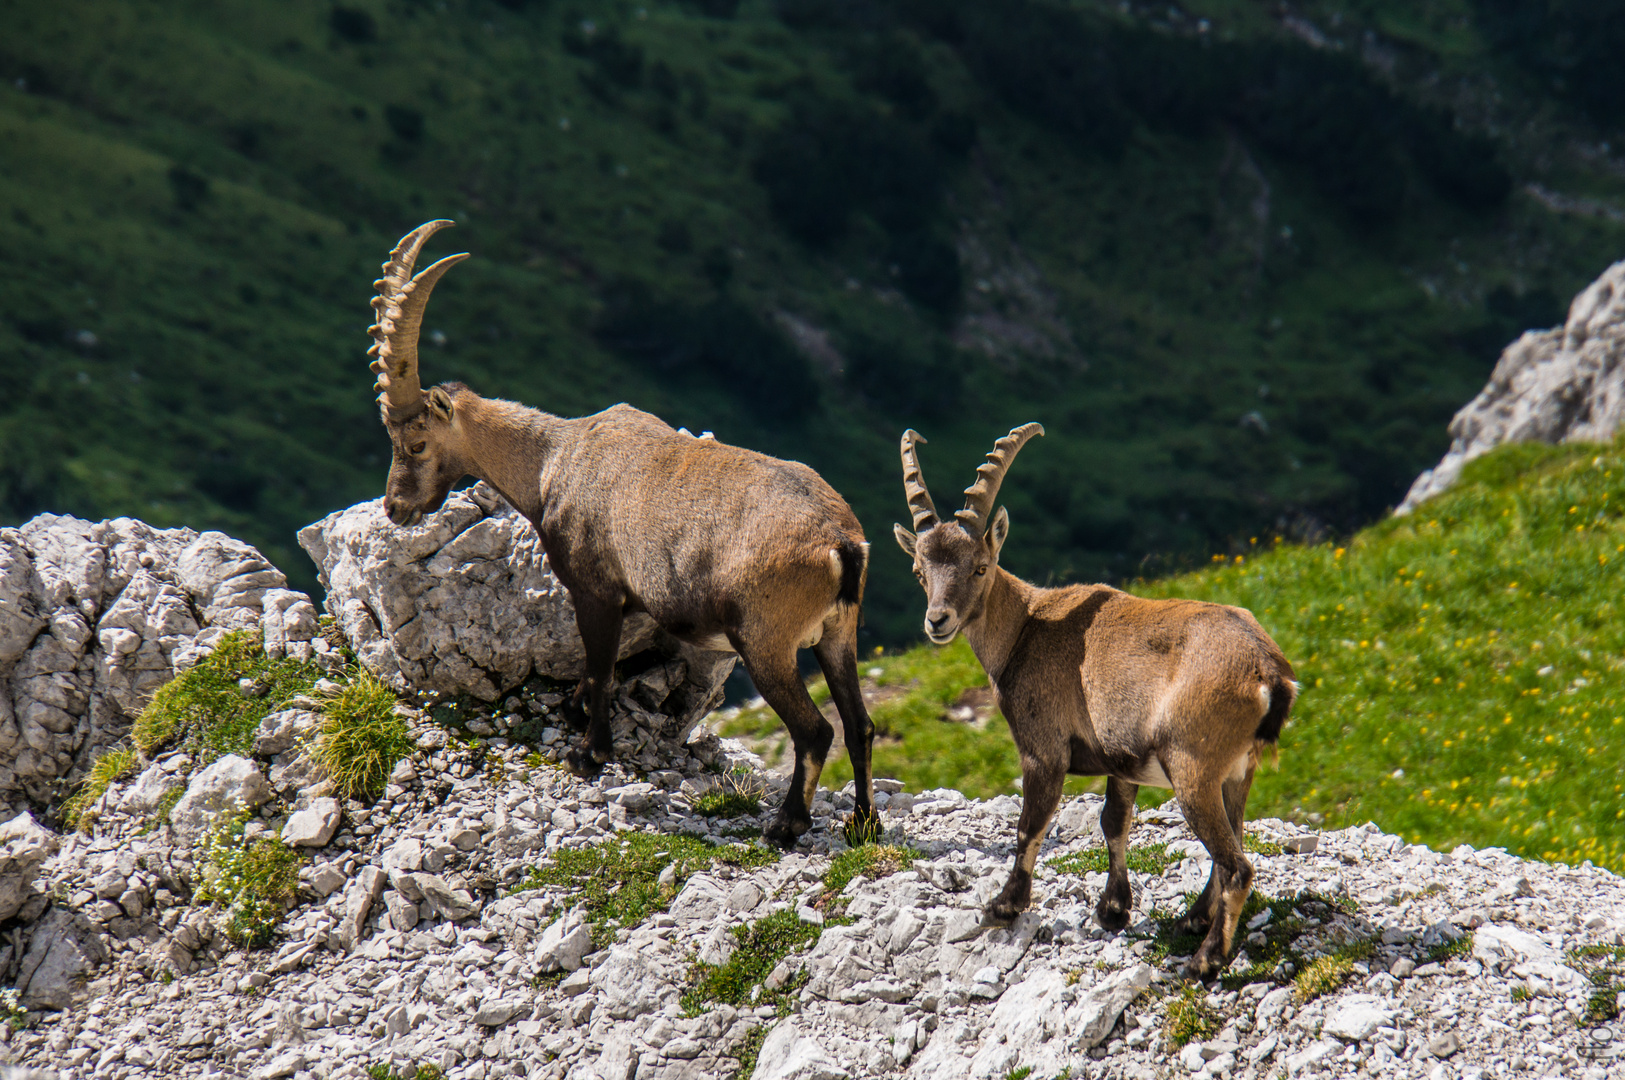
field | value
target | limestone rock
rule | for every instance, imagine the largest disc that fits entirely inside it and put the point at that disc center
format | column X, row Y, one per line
column 564, row 943
column 313, row 826
column 23, row 846
column 230, row 783
column 1561, row 385
column 792, row 1053
column 464, row 602
column 63, row 952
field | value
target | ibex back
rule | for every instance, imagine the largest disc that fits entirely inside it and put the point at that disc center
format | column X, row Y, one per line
column 723, row 547
column 1093, row 681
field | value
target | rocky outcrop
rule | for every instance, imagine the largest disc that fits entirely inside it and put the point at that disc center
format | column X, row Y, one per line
column 462, row 602
column 94, row 617
column 1553, row 386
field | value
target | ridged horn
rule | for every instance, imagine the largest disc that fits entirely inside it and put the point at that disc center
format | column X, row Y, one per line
column 399, row 305
column 919, row 499
column 979, row 496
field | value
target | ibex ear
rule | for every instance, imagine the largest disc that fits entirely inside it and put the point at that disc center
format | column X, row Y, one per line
column 998, row 530
column 440, row 403
column 905, row 538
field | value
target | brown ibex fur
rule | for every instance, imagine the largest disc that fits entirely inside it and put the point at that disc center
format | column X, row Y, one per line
column 725, row 548
column 1093, row 681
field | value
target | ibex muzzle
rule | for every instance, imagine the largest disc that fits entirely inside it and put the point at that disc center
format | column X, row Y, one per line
column 1093, row 681
column 723, row 547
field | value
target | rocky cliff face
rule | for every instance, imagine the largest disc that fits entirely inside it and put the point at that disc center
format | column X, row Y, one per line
column 1561, row 385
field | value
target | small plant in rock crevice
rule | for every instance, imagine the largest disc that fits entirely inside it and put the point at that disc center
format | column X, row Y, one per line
column 619, row 881
column 383, row 1071
column 112, row 766
column 738, row 795
column 1604, row 969
column 252, row 881
column 870, row 860
column 1190, row 1017
column 1455, row 949
column 748, row 1050
column 759, row 948
column 12, row 1013
column 1146, row 859
column 1325, row 974
column 361, row 737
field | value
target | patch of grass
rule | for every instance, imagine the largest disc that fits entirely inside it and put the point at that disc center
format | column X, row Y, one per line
column 251, row 881
column 1323, row 975
column 1256, row 846
column 1604, row 968
column 739, row 794
column 748, row 1050
column 618, row 881
column 761, row 946
column 1521, row 993
column 203, row 710
column 1190, row 1017
column 1020, row 1073
column 1266, row 961
column 385, row 1071
column 1451, row 950
column 858, row 831
column 871, row 860
column 1147, row 859
column 361, row 737
column 12, row 1013
column 112, row 766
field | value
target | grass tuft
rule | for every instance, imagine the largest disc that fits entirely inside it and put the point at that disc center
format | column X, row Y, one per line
column 361, row 737
column 205, row 712
column 1149, row 859
column 252, row 881
column 871, row 860
column 385, row 1071
column 111, row 767
column 618, row 881
column 1326, row 974
column 1451, row 950
column 738, row 795
column 1190, row 1017
column 761, row 946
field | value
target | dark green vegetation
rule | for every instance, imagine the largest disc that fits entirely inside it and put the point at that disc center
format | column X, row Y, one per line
column 252, row 880
column 1243, row 281
column 205, row 709
column 361, row 737
column 1460, row 668
column 1604, row 968
column 760, row 946
column 618, row 881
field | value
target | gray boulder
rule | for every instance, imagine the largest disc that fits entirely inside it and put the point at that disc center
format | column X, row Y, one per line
column 64, row 950
column 464, row 602
column 24, row 845
column 1553, row 386
column 230, row 783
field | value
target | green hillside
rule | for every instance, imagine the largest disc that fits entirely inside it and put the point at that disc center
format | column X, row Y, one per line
column 1461, row 668
column 1243, row 267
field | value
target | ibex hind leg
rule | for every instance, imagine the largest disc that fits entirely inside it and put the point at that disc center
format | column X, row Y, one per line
column 837, row 653
column 600, row 626
column 1116, row 817
column 780, row 685
column 1041, row 784
column 1218, row 909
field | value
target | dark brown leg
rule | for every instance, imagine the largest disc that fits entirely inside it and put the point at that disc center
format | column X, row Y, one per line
column 780, row 685
column 1206, row 907
column 1041, row 784
column 600, row 626
column 837, row 654
column 1117, row 900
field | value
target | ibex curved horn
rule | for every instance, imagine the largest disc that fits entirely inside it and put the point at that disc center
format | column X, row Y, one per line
column 919, row 499
column 989, row 475
column 400, row 302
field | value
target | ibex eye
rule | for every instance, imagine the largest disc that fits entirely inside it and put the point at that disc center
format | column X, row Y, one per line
column 418, row 448
column 980, row 570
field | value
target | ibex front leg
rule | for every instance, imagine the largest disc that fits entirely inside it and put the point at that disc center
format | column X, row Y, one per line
column 1041, row 785
column 600, row 624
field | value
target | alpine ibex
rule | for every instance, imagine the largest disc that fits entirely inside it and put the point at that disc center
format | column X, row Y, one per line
column 725, row 548
column 1173, row 693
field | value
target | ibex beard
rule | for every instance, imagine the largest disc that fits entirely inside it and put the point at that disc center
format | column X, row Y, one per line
column 1093, row 681
column 725, row 548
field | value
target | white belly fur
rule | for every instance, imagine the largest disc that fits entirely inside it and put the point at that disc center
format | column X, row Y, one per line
column 1151, row 774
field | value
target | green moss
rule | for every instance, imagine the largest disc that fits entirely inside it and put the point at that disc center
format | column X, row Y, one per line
column 1146, row 859
column 112, row 766
column 618, row 881
column 205, row 712
column 1451, row 950
column 361, row 737
column 1325, row 974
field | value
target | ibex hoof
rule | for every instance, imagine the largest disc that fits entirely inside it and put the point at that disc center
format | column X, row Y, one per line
column 1004, row 909
column 584, row 763
column 1111, row 916
column 784, row 832
column 1202, row 968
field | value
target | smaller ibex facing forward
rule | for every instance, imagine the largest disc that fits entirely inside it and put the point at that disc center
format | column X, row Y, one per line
column 1174, row 693
column 725, row 548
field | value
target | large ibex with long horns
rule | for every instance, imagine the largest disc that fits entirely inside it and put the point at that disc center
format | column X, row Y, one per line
column 1173, row 693
column 725, row 548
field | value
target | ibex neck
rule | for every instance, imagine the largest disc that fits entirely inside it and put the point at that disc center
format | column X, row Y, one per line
column 994, row 634
column 508, row 445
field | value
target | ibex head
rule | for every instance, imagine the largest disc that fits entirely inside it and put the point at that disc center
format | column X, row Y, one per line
column 428, row 457
column 955, row 560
